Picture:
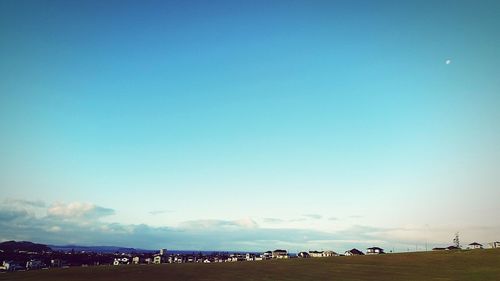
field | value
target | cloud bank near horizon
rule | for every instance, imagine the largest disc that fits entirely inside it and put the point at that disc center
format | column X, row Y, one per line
column 81, row 223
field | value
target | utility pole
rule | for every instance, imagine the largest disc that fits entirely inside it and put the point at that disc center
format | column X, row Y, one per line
column 426, row 237
column 456, row 240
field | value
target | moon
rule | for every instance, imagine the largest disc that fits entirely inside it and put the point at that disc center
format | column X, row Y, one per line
column 448, row 61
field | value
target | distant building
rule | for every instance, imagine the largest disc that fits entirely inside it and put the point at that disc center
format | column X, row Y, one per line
column 136, row 260
column 474, row 245
column 239, row 257
column 280, row 254
column 354, row 252
column 157, row 259
column 178, row 259
column 5, row 265
column 11, row 266
column 438, row 249
column 316, row 254
column 249, row 257
column 34, row 264
column 329, row 254
column 374, row 251
column 303, row 255
column 56, row 263
column 452, row 248
column 163, row 252
column 495, row 244
column 120, row 261
column 267, row 255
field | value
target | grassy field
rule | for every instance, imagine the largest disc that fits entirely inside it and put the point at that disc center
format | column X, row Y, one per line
column 459, row 265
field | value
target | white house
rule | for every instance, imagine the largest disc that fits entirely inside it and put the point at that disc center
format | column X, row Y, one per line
column 157, row 259
column 136, row 260
column 316, row 254
column 280, row 254
column 267, row 255
column 495, row 244
column 374, row 251
column 329, row 254
column 353, row 252
column 5, row 265
column 474, row 245
column 249, row 257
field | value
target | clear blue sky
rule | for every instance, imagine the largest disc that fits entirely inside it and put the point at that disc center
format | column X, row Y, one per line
column 250, row 124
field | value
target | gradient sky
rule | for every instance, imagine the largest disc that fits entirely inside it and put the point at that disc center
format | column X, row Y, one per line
column 250, row 125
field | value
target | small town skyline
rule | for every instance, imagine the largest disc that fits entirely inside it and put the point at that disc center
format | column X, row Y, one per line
column 23, row 255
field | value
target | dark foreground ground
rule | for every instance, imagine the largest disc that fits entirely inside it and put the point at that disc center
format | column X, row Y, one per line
column 460, row 265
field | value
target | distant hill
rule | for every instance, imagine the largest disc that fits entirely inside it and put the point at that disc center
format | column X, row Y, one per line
column 99, row 249
column 11, row 246
column 16, row 246
column 114, row 249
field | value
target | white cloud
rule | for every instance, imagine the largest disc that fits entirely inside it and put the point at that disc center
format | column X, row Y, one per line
column 313, row 216
column 24, row 203
column 273, row 220
column 78, row 210
column 220, row 224
column 54, row 228
column 159, row 212
column 58, row 227
column 246, row 223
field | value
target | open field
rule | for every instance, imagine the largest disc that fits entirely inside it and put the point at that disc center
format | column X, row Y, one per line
column 458, row 265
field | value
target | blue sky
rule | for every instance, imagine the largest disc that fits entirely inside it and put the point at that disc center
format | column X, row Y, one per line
column 249, row 125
